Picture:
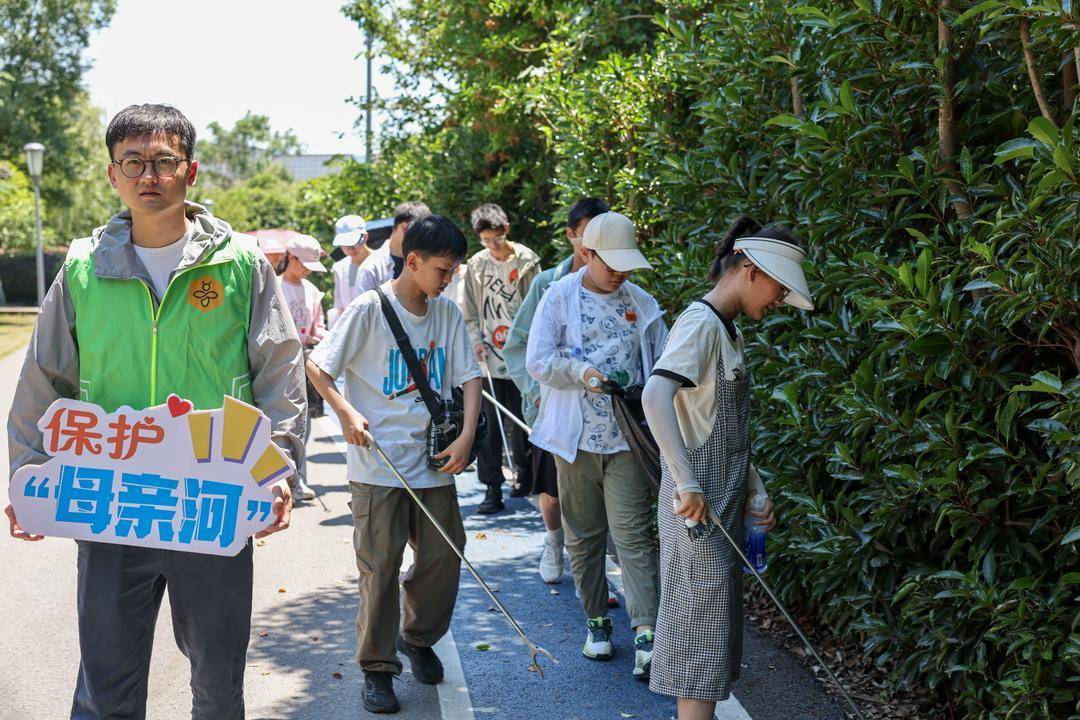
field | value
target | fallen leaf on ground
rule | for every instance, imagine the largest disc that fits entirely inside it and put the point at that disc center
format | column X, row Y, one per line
column 481, row 536
column 263, row 633
column 482, row 646
column 281, row 590
column 336, row 675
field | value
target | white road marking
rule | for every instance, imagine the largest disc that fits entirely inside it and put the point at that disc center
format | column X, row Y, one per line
column 454, row 700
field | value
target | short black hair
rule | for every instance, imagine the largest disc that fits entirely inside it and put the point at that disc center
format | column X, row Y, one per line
column 435, row 235
column 745, row 226
column 489, row 216
column 150, row 119
column 410, row 212
column 585, row 208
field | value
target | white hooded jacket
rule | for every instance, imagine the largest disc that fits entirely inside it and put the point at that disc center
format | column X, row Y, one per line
column 554, row 358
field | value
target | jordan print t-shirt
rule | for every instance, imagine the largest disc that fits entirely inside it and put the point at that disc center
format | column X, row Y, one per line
column 361, row 347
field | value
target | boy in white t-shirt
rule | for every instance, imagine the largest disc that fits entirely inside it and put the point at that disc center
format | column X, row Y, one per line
column 305, row 306
column 591, row 326
column 382, row 399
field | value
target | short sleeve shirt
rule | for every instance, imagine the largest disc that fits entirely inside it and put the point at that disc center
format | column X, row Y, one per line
column 696, row 343
column 610, row 342
column 361, row 347
column 304, row 301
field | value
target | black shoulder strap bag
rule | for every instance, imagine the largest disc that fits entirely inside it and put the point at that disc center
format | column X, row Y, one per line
column 447, row 416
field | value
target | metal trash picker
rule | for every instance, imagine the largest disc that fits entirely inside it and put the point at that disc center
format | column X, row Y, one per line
column 534, row 649
column 498, row 418
column 742, row 556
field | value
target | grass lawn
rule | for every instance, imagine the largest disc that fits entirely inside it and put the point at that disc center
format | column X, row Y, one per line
column 15, row 331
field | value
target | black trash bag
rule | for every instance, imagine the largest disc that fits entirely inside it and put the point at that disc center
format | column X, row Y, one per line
column 626, row 404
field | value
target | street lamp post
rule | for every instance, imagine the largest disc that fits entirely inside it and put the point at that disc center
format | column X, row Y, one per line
column 35, row 162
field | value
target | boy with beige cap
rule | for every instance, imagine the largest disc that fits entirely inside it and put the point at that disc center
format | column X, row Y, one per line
column 591, row 326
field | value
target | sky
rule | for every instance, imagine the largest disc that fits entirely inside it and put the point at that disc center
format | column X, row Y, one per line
column 216, row 59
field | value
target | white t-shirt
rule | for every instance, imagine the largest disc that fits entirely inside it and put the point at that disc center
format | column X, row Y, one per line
column 690, row 358
column 377, row 268
column 456, row 289
column 305, row 306
column 378, row 384
column 161, row 261
column 498, row 303
column 610, row 341
column 345, row 273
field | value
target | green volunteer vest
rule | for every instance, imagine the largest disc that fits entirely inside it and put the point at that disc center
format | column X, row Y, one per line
column 193, row 344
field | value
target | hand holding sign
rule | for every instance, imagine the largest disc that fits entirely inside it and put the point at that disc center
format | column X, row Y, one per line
column 164, row 477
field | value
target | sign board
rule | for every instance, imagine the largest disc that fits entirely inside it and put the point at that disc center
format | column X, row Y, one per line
column 166, row 477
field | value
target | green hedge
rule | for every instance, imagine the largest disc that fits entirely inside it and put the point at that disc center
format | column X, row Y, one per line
column 918, row 429
column 18, row 273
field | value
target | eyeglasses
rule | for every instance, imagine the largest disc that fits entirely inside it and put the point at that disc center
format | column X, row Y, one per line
column 785, row 291
column 164, row 166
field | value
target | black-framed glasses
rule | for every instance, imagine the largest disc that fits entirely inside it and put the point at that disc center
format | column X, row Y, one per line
column 164, row 166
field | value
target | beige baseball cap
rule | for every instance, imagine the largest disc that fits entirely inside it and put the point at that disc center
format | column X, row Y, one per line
column 614, row 239
column 308, row 251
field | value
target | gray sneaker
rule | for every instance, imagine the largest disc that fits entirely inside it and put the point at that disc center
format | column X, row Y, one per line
column 598, row 639
column 551, row 562
column 643, row 646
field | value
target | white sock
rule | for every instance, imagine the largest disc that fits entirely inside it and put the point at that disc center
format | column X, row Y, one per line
column 555, row 537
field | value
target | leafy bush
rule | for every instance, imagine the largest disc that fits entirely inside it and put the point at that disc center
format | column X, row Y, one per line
column 919, row 428
column 18, row 275
column 16, row 208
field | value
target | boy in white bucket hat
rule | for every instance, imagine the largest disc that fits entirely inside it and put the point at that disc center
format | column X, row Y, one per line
column 697, row 405
column 350, row 234
column 591, row 326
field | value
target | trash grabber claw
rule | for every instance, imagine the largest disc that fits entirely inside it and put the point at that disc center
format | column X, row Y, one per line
column 534, row 649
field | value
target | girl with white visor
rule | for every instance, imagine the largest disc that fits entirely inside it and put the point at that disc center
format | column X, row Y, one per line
column 697, row 401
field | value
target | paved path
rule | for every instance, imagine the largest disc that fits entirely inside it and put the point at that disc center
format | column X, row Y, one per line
column 300, row 663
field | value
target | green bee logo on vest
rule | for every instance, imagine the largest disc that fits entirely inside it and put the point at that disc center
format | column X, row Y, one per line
column 205, row 294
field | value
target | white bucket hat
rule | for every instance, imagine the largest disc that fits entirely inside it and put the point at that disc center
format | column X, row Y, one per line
column 349, row 230
column 782, row 261
column 614, row 239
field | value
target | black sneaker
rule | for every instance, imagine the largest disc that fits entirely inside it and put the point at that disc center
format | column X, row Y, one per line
column 493, row 501
column 426, row 666
column 379, row 694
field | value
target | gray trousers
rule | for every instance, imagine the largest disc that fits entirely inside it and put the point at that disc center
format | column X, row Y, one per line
column 602, row 493
column 119, row 593
column 385, row 519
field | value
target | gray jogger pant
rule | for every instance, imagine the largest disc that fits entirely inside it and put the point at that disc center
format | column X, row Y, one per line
column 601, row 493
column 119, row 593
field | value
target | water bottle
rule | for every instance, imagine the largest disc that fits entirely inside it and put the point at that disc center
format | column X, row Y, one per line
column 754, row 546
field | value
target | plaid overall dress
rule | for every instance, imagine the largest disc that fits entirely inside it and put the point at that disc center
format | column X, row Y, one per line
column 698, row 645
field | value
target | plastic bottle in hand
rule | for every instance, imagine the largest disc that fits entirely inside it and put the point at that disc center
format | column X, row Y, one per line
column 755, row 536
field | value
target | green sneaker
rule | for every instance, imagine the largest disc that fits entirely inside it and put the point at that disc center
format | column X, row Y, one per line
column 643, row 645
column 598, row 640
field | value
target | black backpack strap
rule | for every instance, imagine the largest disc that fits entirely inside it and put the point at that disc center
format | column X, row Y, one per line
column 434, row 405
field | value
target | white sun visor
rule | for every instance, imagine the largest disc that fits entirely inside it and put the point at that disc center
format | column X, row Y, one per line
column 781, row 261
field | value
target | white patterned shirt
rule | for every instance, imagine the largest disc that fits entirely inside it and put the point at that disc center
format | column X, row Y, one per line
column 610, row 341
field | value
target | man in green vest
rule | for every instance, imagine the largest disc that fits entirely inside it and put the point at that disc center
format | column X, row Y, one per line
column 162, row 299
